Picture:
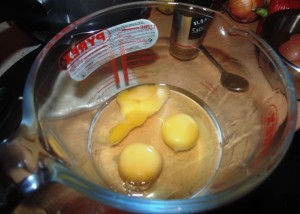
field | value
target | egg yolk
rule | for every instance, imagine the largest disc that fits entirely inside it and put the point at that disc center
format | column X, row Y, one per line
column 137, row 105
column 180, row 132
column 139, row 163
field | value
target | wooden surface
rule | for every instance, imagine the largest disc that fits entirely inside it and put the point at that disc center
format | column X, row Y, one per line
column 59, row 199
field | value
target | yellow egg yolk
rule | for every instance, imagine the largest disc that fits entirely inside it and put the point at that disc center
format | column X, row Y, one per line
column 136, row 106
column 180, row 132
column 139, row 163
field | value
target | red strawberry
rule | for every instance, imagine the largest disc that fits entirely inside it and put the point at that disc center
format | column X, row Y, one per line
column 277, row 5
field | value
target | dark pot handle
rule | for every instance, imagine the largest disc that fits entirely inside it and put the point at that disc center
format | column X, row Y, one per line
column 13, row 157
column 14, row 165
column 24, row 11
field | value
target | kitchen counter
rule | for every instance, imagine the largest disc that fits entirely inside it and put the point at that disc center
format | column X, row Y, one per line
column 15, row 44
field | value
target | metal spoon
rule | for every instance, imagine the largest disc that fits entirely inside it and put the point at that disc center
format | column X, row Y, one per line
column 232, row 82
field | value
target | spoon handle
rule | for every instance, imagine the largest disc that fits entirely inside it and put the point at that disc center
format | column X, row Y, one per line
column 212, row 59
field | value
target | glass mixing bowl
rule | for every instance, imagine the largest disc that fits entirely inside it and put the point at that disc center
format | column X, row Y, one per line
column 72, row 102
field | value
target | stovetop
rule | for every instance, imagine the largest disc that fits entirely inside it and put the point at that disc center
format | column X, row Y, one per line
column 280, row 192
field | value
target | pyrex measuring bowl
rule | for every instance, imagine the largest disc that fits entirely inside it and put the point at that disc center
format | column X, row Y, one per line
column 70, row 108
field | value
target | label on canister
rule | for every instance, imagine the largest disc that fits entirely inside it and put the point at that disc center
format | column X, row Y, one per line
column 197, row 27
column 87, row 55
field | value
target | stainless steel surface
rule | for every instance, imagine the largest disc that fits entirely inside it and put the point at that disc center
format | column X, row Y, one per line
column 188, row 31
column 277, row 29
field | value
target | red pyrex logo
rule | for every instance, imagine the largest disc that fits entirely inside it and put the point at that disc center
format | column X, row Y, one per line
column 81, row 47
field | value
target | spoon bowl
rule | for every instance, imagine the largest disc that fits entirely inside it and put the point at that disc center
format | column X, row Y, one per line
column 230, row 81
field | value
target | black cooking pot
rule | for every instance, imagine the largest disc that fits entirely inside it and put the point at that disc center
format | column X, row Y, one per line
column 276, row 30
column 45, row 18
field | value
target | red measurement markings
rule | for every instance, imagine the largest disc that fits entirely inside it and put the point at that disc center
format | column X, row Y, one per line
column 125, row 68
column 147, row 27
column 115, row 71
column 114, row 65
column 131, row 28
column 269, row 122
column 138, row 77
column 104, row 56
column 101, row 91
column 97, row 75
column 212, row 89
column 101, row 52
column 270, row 125
column 110, row 84
column 141, row 27
column 148, row 58
column 141, row 58
column 123, row 57
column 181, row 45
column 105, row 86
